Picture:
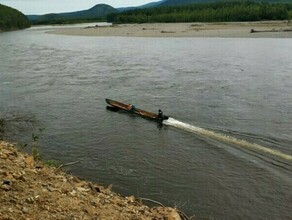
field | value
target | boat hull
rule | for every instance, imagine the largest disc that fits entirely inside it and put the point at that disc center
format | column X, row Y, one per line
column 115, row 106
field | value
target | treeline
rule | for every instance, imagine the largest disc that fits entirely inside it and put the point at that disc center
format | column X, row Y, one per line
column 12, row 19
column 66, row 21
column 207, row 12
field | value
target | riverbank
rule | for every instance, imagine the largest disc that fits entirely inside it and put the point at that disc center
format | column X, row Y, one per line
column 268, row 29
column 33, row 190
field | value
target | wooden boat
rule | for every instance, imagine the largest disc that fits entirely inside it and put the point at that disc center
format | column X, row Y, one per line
column 115, row 106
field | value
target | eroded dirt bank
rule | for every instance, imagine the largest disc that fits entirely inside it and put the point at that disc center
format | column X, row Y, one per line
column 32, row 190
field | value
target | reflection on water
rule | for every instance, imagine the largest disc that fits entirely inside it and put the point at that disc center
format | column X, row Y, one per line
column 240, row 88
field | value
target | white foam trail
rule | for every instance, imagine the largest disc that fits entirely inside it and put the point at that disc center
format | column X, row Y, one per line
column 225, row 138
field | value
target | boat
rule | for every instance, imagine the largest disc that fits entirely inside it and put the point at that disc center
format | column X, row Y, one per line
column 116, row 106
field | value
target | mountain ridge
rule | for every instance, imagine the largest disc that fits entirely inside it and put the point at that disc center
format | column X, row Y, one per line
column 185, row 2
column 99, row 11
column 163, row 3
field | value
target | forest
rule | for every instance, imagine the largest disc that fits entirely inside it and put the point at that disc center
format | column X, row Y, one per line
column 12, row 19
column 207, row 12
column 66, row 21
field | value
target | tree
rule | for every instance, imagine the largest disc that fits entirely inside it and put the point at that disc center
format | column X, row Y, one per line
column 11, row 19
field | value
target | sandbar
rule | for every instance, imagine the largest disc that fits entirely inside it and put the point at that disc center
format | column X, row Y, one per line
column 263, row 29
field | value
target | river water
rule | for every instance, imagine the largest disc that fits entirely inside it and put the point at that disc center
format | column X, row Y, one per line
column 225, row 152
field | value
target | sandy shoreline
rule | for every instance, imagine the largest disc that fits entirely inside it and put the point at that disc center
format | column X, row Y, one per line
column 268, row 29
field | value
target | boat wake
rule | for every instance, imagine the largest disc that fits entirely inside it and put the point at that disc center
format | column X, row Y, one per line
column 227, row 139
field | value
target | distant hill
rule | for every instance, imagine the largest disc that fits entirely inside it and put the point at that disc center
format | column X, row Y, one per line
column 106, row 12
column 11, row 19
column 185, row 2
column 149, row 5
column 98, row 12
column 218, row 11
column 152, row 4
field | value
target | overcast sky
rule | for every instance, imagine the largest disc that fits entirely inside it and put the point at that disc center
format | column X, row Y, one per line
column 29, row 7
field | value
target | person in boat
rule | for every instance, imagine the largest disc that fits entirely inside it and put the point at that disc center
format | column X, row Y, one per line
column 160, row 113
column 131, row 107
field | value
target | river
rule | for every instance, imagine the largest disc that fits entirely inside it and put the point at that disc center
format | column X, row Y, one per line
column 225, row 152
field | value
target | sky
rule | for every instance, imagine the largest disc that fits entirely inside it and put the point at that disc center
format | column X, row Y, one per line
column 38, row 7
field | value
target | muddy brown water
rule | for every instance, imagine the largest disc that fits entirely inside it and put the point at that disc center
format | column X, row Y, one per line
column 223, row 96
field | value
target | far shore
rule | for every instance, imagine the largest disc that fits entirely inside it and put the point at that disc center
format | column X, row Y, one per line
column 263, row 29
